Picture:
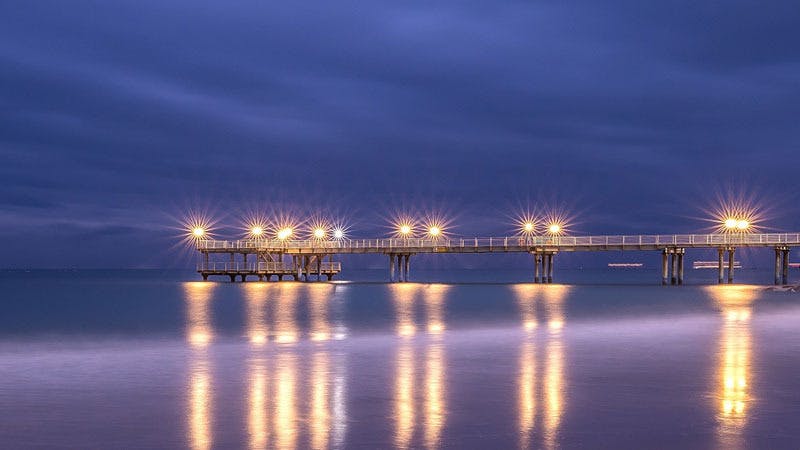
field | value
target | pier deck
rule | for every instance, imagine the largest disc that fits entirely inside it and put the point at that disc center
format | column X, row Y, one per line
column 307, row 255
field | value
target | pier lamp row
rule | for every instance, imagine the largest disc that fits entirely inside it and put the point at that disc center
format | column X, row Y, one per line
column 406, row 228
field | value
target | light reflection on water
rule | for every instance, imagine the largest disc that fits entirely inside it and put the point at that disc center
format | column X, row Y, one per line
column 407, row 407
column 735, row 303
column 296, row 377
column 199, row 334
column 553, row 385
column 325, row 385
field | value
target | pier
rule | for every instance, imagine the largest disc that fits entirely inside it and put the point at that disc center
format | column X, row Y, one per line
column 313, row 259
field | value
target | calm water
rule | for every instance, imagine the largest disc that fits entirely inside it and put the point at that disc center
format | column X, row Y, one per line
column 155, row 360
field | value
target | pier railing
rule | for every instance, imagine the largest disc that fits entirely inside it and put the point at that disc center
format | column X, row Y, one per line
column 267, row 267
column 695, row 240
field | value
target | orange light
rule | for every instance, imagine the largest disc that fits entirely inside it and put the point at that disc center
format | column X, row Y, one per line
column 284, row 233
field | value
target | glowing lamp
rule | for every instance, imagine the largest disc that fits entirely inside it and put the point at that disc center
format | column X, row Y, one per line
column 434, row 231
column 731, row 223
column 742, row 224
column 405, row 229
column 319, row 233
column 257, row 231
column 528, row 227
column 198, row 232
column 338, row 234
column 554, row 228
column 284, row 233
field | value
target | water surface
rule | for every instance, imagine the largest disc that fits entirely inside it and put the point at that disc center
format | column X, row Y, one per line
column 152, row 360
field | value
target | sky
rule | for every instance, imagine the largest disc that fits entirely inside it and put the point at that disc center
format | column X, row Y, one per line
column 119, row 118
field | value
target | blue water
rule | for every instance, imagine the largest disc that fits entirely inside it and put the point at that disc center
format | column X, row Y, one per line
column 156, row 359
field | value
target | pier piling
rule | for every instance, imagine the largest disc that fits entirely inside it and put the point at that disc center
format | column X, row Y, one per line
column 785, row 266
column 731, row 252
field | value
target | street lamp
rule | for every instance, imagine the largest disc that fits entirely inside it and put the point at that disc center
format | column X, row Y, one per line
column 554, row 228
column 256, row 231
column 284, row 233
column 528, row 227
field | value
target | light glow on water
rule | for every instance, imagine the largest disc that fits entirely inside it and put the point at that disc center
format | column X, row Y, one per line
column 285, row 409
column 735, row 303
column 286, row 330
column 257, row 422
column 404, row 411
column 550, row 298
column 320, row 297
column 403, row 296
column 320, row 400
column 256, row 323
column 198, row 298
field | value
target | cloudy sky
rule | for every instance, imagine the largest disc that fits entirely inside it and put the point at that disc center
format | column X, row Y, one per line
column 118, row 117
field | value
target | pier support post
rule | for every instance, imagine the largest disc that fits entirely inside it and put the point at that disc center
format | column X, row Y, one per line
column 673, row 267
column 299, row 267
column 785, row 266
column 545, row 266
column 664, row 273
column 391, row 267
column 731, row 252
column 399, row 268
column 408, row 266
column 205, row 260
column 537, row 260
column 233, row 278
column 721, row 266
column 680, row 266
column 550, row 268
column 778, row 266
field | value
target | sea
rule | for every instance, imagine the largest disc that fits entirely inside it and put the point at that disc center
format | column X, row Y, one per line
column 464, row 359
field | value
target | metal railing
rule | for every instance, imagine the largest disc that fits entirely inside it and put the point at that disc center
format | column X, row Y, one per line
column 271, row 267
column 701, row 240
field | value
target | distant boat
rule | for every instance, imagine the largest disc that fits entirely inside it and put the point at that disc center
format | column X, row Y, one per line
column 714, row 264
column 625, row 265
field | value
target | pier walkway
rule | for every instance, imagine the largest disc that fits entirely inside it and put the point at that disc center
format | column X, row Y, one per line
column 307, row 257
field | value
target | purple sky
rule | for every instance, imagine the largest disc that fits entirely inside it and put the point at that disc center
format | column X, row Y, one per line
column 118, row 117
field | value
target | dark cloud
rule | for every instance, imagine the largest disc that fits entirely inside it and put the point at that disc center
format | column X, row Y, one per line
column 119, row 114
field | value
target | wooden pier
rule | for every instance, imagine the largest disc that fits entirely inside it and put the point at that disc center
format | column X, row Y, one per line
column 313, row 258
